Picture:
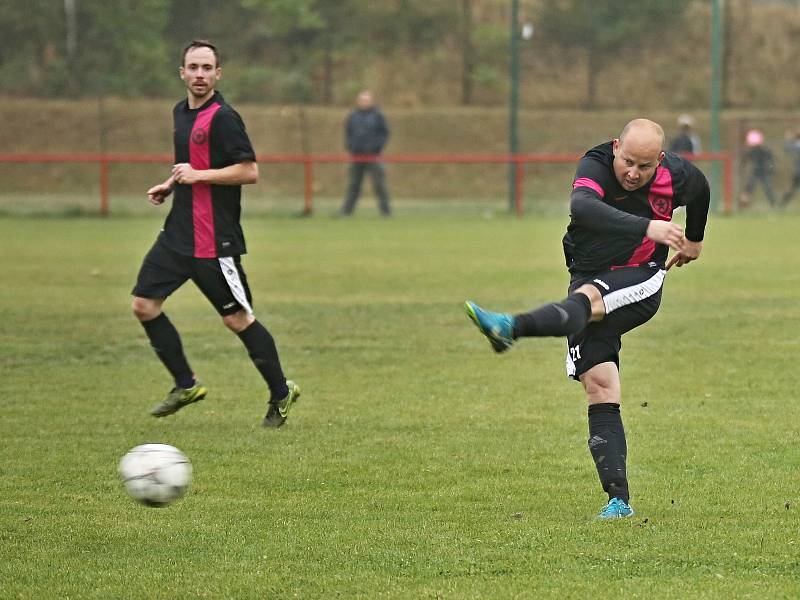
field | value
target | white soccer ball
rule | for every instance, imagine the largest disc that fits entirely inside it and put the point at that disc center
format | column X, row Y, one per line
column 155, row 474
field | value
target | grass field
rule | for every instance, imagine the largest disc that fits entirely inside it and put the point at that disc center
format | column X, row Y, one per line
column 417, row 464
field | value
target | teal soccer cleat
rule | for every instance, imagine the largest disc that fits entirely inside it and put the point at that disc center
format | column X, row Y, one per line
column 498, row 327
column 616, row 508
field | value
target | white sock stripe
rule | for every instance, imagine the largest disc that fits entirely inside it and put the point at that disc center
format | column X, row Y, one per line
column 231, row 274
column 634, row 293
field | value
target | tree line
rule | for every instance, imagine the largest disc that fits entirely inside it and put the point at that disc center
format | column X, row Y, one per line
column 322, row 51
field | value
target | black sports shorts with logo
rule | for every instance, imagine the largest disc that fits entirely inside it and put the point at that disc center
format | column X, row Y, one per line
column 631, row 295
column 222, row 280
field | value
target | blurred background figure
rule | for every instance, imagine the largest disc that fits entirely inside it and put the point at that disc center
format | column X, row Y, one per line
column 366, row 133
column 687, row 141
column 792, row 147
column 759, row 164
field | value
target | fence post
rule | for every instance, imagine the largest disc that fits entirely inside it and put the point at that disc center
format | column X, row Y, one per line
column 519, row 165
column 728, row 184
column 308, row 169
column 104, row 194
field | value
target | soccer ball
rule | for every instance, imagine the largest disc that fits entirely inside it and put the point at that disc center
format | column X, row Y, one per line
column 155, row 474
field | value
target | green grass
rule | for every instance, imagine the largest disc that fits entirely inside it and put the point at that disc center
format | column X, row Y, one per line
column 417, row 463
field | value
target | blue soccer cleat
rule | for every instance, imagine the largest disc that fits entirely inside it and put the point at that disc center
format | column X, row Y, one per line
column 616, row 508
column 498, row 327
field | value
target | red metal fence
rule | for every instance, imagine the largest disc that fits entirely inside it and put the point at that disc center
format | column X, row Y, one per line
column 309, row 160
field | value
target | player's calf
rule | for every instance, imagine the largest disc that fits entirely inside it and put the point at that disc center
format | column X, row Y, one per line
column 556, row 319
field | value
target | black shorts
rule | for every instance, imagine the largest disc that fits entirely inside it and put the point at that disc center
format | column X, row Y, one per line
column 632, row 296
column 222, row 280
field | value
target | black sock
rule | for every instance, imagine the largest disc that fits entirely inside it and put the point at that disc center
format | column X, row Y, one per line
column 555, row 319
column 608, row 448
column 166, row 342
column 262, row 350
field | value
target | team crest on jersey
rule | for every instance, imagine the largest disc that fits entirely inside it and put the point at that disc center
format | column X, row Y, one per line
column 662, row 207
column 199, row 136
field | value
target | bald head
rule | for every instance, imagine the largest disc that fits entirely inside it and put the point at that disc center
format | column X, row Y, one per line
column 643, row 131
column 637, row 153
column 365, row 100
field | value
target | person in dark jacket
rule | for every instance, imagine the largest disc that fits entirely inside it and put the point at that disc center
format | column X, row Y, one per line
column 687, row 141
column 792, row 147
column 366, row 133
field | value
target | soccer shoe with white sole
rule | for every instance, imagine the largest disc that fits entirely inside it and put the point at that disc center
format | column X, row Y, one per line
column 178, row 398
column 498, row 327
column 278, row 411
column 616, row 508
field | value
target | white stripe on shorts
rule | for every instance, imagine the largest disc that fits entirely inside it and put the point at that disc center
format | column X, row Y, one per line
column 570, row 365
column 231, row 274
column 634, row 293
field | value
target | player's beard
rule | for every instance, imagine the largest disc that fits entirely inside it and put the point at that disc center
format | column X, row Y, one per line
column 201, row 90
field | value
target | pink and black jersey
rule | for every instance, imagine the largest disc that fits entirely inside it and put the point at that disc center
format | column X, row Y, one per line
column 204, row 219
column 608, row 223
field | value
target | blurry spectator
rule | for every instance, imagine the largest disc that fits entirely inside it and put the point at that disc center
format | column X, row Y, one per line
column 687, row 141
column 792, row 147
column 759, row 161
column 366, row 133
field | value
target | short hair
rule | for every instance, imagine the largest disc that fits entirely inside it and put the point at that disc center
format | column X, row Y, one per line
column 200, row 44
column 642, row 123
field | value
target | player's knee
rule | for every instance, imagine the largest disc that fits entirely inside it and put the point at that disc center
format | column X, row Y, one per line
column 601, row 388
column 238, row 321
column 145, row 309
column 602, row 394
column 596, row 298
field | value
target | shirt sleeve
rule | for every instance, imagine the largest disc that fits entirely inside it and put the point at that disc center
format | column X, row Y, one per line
column 348, row 133
column 233, row 137
column 697, row 198
column 382, row 133
column 587, row 208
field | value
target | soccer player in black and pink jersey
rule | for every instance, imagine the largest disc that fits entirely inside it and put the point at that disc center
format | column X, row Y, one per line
column 202, row 239
column 616, row 248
